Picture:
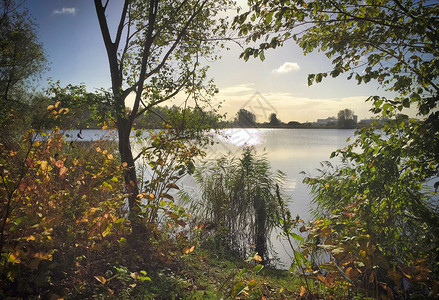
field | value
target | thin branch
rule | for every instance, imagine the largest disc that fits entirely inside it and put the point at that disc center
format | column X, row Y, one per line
column 177, row 40
column 374, row 21
column 153, row 11
column 173, row 94
column 121, row 23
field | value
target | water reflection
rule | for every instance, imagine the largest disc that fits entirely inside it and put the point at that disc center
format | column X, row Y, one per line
column 241, row 137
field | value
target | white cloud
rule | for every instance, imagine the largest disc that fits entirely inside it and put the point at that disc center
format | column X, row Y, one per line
column 65, row 11
column 240, row 89
column 287, row 67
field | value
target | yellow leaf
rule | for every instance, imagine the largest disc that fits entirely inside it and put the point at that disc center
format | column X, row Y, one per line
column 13, row 257
column 110, row 156
column 188, row 250
column 30, row 238
column 105, row 127
column 50, row 107
column 98, row 149
column 44, row 165
column 36, row 143
column 101, row 279
column 106, row 232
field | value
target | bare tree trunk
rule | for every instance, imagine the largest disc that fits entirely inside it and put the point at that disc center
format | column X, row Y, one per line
column 130, row 176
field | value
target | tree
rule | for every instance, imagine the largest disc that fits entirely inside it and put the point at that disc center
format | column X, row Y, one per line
column 246, row 118
column 21, row 58
column 274, row 121
column 155, row 54
column 382, row 186
column 346, row 118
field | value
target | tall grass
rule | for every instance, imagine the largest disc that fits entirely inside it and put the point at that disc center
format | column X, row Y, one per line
column 237, row 197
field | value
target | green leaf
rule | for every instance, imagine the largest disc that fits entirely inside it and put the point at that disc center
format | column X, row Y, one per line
column 268, row 18
column 239, row 288
column 311, row 79
column 319, row 77
column 296, row 236
column 257, row 269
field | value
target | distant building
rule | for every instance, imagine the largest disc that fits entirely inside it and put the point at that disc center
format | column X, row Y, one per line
column 322, row 122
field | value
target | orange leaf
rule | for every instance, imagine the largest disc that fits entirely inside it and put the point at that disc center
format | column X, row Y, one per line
column 302, row 291
column 59, row 163
column 321, row 278
column 62, row 171
column 257, row 257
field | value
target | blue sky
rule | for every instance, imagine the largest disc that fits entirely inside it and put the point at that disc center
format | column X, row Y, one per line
column 70, row 35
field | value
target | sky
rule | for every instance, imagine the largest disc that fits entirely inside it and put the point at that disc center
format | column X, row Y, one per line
column 70, row 34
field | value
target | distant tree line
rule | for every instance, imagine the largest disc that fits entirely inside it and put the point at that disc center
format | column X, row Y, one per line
column 247, row 119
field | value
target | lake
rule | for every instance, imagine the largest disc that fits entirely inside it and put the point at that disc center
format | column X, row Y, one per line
column 289, row 150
